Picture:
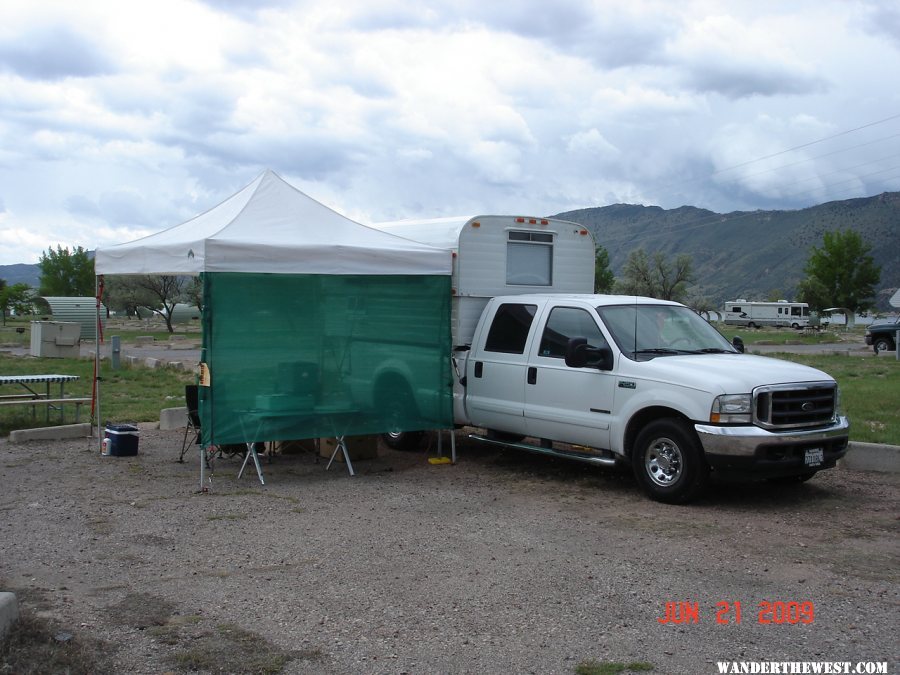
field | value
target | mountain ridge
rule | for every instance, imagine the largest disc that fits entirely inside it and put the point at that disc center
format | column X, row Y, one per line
column 741, row 254
column 747, row 254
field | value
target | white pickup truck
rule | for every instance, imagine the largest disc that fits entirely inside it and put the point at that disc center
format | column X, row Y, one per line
column 603, row 379
column 607, row 379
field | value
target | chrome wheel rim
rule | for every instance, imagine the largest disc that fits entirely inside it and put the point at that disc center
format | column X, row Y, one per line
column 663, row 462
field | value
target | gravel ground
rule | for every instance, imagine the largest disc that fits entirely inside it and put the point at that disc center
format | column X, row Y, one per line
column 502, row 563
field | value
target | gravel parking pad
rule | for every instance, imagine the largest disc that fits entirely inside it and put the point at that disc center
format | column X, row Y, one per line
column 502, row 563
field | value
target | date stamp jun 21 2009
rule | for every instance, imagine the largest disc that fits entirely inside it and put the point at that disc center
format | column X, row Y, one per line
column 726, row 612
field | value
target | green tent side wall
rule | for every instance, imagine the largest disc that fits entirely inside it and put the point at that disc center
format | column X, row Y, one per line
column 291, row 356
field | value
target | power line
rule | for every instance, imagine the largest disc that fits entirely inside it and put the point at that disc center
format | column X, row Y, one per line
column 827, row 154
column 806, row 145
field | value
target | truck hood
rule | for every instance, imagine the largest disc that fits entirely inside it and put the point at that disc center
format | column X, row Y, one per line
column 722, row 373
column 883, row 325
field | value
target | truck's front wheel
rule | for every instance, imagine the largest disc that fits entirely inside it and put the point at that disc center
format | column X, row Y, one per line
column 668, row 462
column 883, row 345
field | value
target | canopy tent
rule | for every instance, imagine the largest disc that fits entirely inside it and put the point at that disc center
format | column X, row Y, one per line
column 272, row 228
column 313, row 324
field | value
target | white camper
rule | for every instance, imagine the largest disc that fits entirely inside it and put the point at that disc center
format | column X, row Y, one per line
column 756, row 314
column 504, row 255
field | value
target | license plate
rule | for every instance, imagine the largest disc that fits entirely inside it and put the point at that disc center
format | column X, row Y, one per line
column 814, row 457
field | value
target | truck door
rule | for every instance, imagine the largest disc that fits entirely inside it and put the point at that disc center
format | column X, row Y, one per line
column 572, row 405
column 495, row 372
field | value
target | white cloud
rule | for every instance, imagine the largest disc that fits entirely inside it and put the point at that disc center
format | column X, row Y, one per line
column 118, row 119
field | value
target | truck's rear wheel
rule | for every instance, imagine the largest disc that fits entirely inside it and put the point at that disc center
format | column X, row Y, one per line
column 668, row 462
column 403, row 440
column 400, row 406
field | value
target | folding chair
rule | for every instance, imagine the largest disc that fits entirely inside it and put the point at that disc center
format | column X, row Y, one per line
column 192, row 399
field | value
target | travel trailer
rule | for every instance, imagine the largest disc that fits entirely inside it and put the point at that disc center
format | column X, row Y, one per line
column 780, row 314
column 541, row 364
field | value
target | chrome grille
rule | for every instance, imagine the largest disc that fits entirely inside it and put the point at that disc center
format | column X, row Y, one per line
column 792, row 406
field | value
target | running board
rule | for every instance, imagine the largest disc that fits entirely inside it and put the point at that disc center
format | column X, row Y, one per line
column 564, row 454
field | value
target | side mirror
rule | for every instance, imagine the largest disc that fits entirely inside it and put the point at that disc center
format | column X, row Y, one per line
column 738, row 344
column 579, row 355
column 576, row 353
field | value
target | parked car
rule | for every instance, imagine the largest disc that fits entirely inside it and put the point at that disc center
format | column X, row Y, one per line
column 882, row 335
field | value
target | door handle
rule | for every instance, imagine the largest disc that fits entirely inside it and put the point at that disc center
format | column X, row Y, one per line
column 479, row 367
column 532, row 375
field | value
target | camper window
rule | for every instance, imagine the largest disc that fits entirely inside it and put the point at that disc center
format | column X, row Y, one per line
column 529, row 259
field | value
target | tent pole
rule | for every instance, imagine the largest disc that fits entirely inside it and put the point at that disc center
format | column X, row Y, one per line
column 97, row 365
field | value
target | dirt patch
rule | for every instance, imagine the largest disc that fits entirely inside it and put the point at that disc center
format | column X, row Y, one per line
column 502, row 562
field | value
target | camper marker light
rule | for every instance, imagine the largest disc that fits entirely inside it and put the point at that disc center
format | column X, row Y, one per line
column 520, row 220
column 476, row 224
column 731, row 409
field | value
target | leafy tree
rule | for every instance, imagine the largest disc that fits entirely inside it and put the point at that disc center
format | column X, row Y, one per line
column 656, row 277
column 841, row 273
column 17, row 298
column 124, row 293
column 194, row 292
column 604, row 279
column 66, row 274
column 159, row 293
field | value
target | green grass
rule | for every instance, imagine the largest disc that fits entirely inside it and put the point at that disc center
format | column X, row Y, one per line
column 129, row 394
column 870, row 388
column 785, row 336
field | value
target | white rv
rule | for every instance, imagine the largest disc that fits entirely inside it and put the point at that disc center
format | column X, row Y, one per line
column 756, row 314
column 504, row 255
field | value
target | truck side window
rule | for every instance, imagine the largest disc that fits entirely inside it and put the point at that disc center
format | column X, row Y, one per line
column 509, row 330
column 565, row 323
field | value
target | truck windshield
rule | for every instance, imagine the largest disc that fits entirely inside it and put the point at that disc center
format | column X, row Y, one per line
column 646, row 331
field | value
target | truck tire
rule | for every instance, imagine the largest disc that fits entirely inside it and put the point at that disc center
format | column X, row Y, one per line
column 883, row 344
column 400, row 402
column 668, row 461
column 403, row 440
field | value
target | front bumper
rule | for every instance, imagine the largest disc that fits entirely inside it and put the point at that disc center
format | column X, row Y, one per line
column 757, row 451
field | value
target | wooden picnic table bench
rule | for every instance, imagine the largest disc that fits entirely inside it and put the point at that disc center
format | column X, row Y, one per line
column 35, row 398
column 54, row 403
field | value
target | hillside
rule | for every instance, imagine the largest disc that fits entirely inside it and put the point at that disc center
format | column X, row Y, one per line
column 747, row 254
column 21, row 273
column 736, row 255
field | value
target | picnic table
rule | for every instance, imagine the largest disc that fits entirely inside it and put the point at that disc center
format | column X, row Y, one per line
column 37, row 392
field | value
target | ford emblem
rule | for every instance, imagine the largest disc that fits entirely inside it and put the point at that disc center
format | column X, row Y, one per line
column 809, row 406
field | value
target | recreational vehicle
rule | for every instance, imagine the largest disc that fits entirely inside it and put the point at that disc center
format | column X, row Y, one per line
column 757, row 314
column 542, row 365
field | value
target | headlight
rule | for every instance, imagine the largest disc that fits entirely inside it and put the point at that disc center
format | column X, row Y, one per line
column 732, row 409
column 838, row 408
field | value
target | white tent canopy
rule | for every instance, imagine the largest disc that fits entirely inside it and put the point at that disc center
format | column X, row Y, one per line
column 271, row 227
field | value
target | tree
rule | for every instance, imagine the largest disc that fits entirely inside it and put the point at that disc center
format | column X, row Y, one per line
column 656, row 277
column 124, row 294
column 194, row 292
column 841, row 273
column 155, row 292
column 16, row 298
column 604, row 279
column 66, row 274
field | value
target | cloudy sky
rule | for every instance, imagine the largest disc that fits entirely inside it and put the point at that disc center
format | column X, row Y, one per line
column 118, row 119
